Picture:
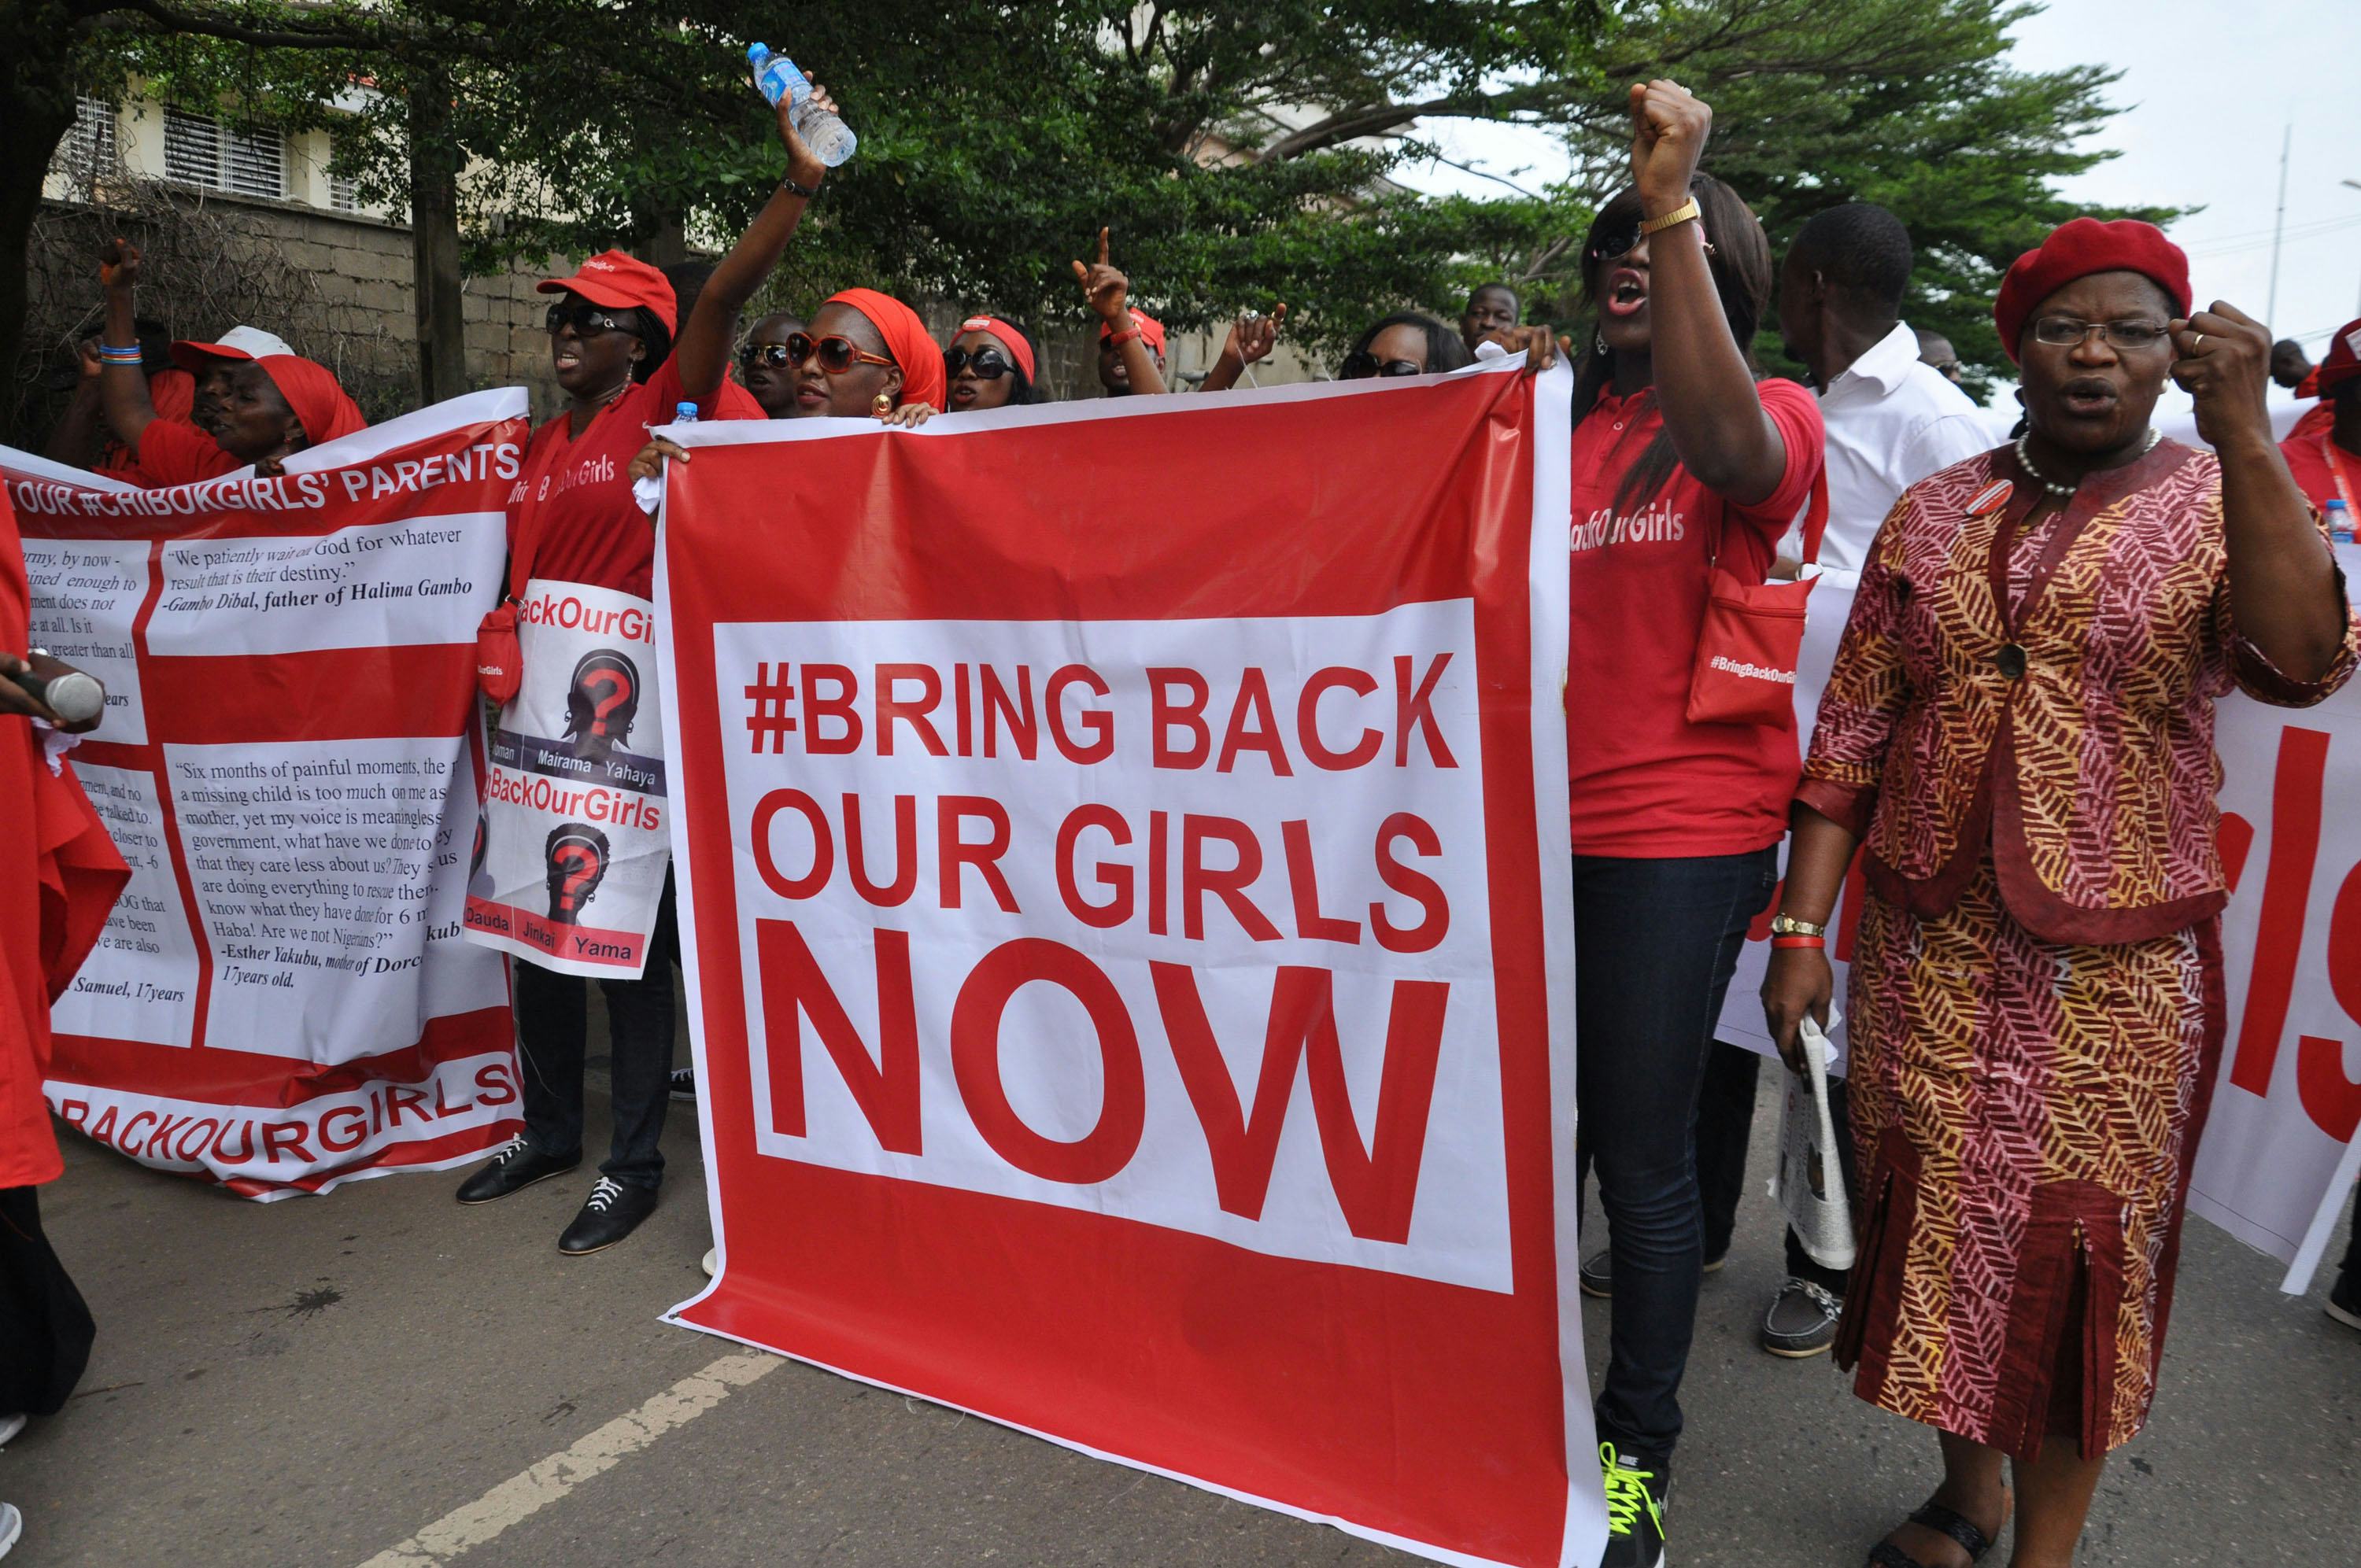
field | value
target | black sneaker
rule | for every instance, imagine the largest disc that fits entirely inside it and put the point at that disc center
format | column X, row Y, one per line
column 513, row 1169
column 684, row 1083
column 1802, row 1321
column 2345, row 1301
column 611, row 1213
column 1597, row 1272
column 1639, row 1495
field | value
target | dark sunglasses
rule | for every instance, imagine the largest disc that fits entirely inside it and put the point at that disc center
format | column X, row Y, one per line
column 589, row 321
column 1363, row 365
column 989, row 364
column 836, row 355
column 774, row 355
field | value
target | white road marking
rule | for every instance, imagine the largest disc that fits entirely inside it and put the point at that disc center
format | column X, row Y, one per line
column 527, row 1493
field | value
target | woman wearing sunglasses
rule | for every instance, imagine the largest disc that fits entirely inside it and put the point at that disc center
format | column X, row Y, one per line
column 1406, row 343
column 1681, row 461
column 573, row 523
column 866, row 353
column 990, row 363
column 764, row 365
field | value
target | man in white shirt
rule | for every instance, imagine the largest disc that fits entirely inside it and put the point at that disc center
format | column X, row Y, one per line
column 1892, row 420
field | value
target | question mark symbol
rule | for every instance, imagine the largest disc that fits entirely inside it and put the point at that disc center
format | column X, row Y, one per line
column 617, row 690
column 579, row 866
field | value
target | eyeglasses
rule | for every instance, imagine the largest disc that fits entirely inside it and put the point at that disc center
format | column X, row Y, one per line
column 588, row 321
column 774, row 355
column 989, row 364
column 1616, row 243
column 2065, row 332
column 836, row 355
column 1362, row 366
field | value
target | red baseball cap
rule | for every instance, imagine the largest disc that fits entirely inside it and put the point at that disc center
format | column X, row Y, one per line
column 619, row 282
column 2077, row 248
column 1150, row 330
column 239, row 343
column 2341, row 364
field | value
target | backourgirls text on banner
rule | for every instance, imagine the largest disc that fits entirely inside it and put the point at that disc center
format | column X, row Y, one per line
column 570, row 856
column 282, row 1000
column 2289, row 1097
column 1131, row 939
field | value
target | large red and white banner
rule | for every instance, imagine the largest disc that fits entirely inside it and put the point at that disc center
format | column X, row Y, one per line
column 2277, row 1156
column 282, row 1000
column 1122, row 852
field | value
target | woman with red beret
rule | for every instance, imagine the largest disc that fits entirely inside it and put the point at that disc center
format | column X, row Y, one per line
column 269, row 407
column 2019, row 729
column 2323, row 450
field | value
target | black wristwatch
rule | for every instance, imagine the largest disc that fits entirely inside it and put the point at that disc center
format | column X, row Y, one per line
column 808, row 193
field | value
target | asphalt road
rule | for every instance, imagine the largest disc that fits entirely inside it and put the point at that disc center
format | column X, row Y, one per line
column 315, row 1383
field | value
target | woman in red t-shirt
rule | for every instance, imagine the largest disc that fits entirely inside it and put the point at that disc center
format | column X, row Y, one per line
column 614, row 355
column 1681, row 460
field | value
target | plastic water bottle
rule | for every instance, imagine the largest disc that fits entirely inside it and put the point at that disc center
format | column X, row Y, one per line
column 2340, row 520
column 830, row 139
column 684, row 413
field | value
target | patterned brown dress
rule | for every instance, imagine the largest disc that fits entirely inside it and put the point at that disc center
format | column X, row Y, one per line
column 2020, row 726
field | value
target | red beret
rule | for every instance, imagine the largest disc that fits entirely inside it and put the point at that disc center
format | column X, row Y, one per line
column 2077, row 248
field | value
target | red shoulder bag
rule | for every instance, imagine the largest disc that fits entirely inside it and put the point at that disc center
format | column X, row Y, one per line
column 1753, row 636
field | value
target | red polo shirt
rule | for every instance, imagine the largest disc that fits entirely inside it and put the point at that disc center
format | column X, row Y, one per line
column 1647, row 784
column 2313, row 456
column 591, row 531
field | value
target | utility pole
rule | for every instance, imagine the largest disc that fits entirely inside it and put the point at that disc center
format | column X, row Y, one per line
column 2355, row 183
column 2271, row 313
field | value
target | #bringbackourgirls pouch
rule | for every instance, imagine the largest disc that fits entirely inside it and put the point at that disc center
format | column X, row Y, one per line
column 1754, row 637
column 500, row 663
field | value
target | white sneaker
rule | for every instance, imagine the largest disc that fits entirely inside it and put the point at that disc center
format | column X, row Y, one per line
column 9, row 1426
column 12, row 1525
column 711, row 1262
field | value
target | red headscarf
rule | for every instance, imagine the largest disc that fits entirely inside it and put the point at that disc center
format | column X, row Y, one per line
column 1007, row 336
column 906, row 339
column 2077, row 249
column 311, row 391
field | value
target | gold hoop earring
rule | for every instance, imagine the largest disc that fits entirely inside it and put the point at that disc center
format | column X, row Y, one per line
column 882, row 404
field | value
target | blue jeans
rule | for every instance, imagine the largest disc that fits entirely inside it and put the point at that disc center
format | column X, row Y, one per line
column 1654, row 943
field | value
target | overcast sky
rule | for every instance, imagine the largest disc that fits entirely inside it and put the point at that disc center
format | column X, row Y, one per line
column 2208, row 89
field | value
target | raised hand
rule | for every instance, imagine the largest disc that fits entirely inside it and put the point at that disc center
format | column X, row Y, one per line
column 1106, row 290
column 1669, row 127
column 1252, row 338
column 2223, row 359
column 1536, row 341
column 118, row 263
column 802, row 167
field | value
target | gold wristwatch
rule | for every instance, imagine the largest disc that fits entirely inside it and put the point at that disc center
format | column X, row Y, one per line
column 1788, row 926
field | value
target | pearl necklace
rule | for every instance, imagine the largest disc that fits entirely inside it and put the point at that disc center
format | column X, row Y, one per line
column 2065, row 492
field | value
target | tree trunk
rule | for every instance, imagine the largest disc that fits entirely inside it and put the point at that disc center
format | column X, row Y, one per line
column 38, row 107
column 434, row 243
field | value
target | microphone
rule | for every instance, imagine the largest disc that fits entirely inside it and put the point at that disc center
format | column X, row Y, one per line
column 74, row 695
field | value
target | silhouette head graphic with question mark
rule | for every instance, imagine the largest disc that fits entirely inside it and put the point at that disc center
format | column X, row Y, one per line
column 576, row 858
column 601, row 702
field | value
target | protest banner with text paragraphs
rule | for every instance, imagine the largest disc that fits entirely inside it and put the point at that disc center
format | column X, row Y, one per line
column 1122, row 865
column 2277, row 1157
column 570, row 857
column 282, row 1000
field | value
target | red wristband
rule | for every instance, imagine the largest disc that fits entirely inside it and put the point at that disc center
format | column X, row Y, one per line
column 1799, row 941
column 1116, row 340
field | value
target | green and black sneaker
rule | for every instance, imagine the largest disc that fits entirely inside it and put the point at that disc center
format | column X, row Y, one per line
column 1637, row 1500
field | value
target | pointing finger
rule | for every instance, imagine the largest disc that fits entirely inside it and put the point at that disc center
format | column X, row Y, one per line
column 1102, row 248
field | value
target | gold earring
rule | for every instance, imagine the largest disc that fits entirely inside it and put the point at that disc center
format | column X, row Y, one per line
column 882, row 404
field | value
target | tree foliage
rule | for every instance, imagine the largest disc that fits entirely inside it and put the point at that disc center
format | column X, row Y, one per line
column 1241, row 152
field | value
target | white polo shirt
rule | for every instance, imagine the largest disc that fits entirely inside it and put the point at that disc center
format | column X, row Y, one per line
column 1890, row 422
